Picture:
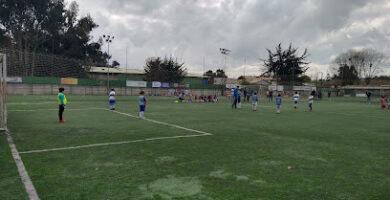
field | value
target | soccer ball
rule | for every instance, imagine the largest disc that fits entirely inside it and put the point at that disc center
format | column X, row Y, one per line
column 176, row 101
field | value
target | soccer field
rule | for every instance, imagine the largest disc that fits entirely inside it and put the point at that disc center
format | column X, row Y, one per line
column 341, row 150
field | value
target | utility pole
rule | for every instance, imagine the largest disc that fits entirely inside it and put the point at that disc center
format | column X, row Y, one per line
column 108, row 39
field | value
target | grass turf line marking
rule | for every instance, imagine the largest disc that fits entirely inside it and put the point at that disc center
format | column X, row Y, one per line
column 55, row 109
column 113, row 143
column 28, row 185
column 163, row 123
column 127, row 142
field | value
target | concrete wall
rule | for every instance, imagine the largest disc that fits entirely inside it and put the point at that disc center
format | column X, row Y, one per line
column 51, row 89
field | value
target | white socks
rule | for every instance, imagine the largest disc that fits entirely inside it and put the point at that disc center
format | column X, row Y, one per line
column 141, row 114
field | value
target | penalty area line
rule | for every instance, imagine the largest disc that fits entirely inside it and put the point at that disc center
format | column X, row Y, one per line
column 113, row 143
column 202, row 133
column 162, row 123
column 55, row 109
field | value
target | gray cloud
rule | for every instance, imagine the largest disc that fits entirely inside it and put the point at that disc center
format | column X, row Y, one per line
column 195, row 29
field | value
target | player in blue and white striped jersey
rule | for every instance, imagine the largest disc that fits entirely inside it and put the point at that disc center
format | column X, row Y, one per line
column 310, row 100
column 296, row 99
column 112, row 100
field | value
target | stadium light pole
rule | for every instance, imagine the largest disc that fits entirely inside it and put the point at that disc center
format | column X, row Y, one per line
column 224, row 53
column 108, row 39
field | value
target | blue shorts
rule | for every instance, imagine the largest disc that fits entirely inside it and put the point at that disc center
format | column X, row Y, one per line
column 278, row 104
column 142, row 108
column 295, row 102
column 112, row 102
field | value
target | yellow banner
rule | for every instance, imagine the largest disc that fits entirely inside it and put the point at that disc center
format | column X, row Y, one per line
column 69, row 81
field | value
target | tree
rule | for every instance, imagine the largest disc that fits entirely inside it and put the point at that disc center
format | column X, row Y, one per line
column 219, row 73
column 115, row 64
column 241, row 78
column 167, row 70
column 209, row 73
column 348, row 74
column 305, row 79
column 285, row 65
column 367, row 62
column 47, row 26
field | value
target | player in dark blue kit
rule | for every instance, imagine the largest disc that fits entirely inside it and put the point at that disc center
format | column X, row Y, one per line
column 278, row 103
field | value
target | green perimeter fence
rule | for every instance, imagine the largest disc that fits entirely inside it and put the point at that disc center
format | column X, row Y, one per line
column 114, row 83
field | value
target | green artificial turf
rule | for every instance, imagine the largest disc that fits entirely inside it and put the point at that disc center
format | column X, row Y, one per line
column 341, row 150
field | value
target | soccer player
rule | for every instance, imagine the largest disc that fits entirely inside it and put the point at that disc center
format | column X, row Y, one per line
column 296, row 98
column 189, row 98
column 112, row 100
column 215, row 99
column 310, row 100
column 235, row 97
column 384, row 102
column 255, row 99
column 368, row 94
column 181, row 97
column 239, row 99
column 62, row 103
column 142, row 104
column 278, row 103
column 271, row 96
column 249, row 94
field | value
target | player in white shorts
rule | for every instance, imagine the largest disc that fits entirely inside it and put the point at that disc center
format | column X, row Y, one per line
column 112, row 99
column 296, row 99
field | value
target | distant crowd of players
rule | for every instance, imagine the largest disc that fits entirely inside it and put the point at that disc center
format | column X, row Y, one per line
column 236, row 94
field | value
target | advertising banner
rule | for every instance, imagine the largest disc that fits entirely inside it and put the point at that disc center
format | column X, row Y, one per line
column 156, row 84
column 136, row 83
column 165, row 85
column 231, row 86
column 304, row 88
column 14, row 79
column 276, row 88
column 182, row 85
column 69, row 81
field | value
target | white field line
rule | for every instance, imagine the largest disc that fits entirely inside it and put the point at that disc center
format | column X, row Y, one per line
column 32, row 110
column 113, row 143
column 28, row 185
column 163, row 123
column 27, row 103
column 202, row 133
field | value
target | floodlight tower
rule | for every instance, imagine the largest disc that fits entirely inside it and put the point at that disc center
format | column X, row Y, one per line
column 224, row 53
column 108, row 39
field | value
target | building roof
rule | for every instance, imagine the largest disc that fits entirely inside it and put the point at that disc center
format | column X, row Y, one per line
column 128, row 71
column 115, row 70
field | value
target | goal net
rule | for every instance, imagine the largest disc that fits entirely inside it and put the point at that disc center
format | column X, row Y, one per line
column 30, row 64
column 3, row 92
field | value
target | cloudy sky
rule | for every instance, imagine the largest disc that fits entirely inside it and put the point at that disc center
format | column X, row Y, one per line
column 194, row 30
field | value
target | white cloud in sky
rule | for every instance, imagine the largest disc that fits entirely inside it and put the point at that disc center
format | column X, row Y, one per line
column 194, row 30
